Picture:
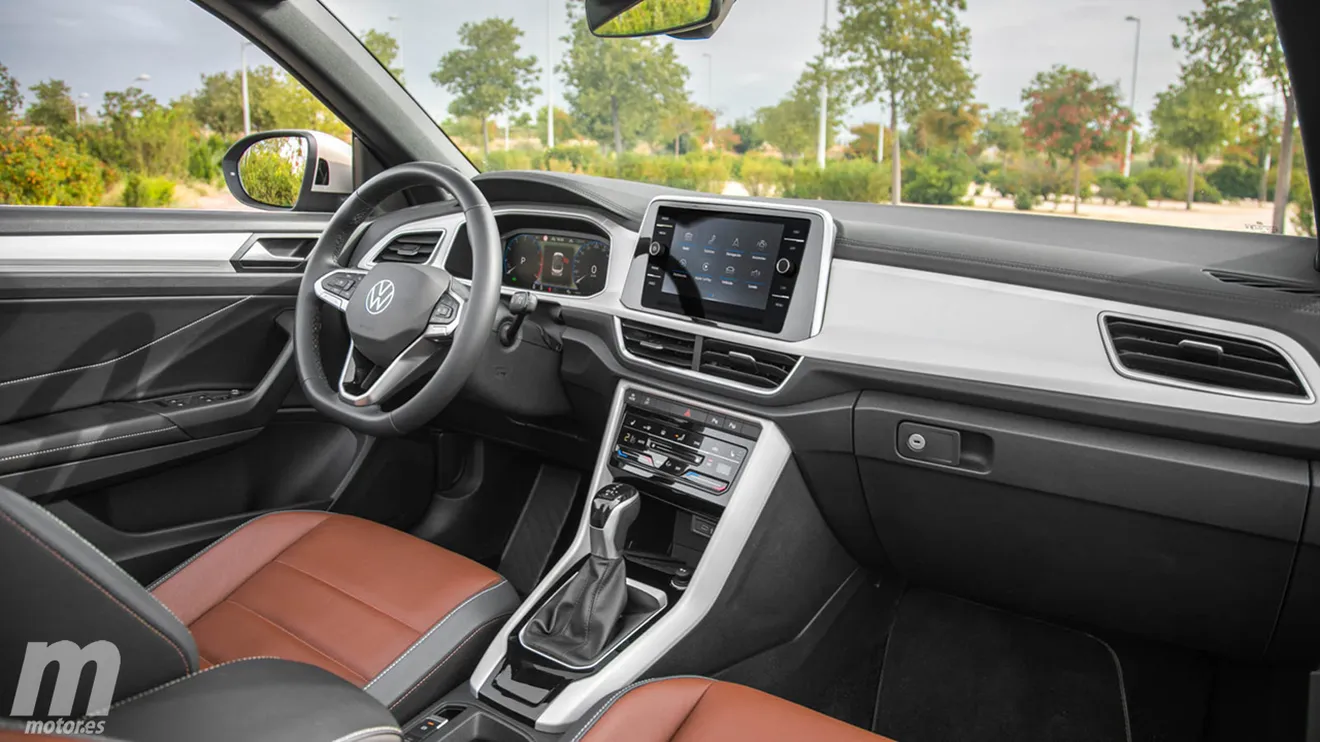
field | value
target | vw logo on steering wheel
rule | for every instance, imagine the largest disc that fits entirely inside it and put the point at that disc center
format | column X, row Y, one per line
column 380, row 296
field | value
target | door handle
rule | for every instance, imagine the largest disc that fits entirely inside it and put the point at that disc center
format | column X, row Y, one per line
column 274, row 252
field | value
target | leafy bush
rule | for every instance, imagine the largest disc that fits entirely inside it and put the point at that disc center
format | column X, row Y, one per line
column 1135, row 196
column 148, row 192
column 509, row 160
column 1023, row 201
column 940, row 177
column 764, row 176
column 1162, row 183
column 271, row 171
column 804, row 182
column 38, row 169
column 204, row 156
column 1235, row 180
column 1204, row 193
column 855, row 180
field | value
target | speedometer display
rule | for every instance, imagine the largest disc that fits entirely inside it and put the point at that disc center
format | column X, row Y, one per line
column 556, row 263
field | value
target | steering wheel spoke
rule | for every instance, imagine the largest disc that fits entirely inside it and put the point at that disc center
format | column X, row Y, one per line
column 446, row 316
column 337, row 287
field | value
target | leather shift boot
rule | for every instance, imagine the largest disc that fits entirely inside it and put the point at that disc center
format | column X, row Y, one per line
column 576, row 625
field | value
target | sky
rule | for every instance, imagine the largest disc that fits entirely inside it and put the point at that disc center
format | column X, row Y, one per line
column 754, row 58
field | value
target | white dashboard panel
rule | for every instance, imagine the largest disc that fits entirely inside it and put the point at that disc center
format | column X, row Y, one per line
column 963, row 328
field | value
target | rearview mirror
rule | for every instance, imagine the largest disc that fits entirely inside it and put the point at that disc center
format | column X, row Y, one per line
column 289, row 170
column 680, row 18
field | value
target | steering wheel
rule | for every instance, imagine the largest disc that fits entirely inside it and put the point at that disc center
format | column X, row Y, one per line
column 404, row 319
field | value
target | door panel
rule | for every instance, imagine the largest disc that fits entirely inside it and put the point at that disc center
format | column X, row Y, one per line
column 148, row 390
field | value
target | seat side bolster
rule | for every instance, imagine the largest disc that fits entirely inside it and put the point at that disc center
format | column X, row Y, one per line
column 442, row 641
column 202, row 582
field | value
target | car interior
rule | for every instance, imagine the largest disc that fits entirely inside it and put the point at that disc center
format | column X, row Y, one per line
column 446, row 456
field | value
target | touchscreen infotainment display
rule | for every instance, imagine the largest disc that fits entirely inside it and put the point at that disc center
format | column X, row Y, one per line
column 737, row 268
column 728, row 261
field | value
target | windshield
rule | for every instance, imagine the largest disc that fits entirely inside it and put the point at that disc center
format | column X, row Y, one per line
column 1168, row 113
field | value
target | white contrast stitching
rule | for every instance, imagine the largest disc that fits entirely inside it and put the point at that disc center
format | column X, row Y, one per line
column 432, row 630
column 149, row 691
column 86, row 443
column 364, row 733
column 615, row 699
column 138, row 349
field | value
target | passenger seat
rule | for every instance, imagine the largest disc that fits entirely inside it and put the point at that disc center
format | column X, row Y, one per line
column 697, row 709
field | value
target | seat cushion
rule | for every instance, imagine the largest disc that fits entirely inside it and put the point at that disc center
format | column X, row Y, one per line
column 380, row 608
column 693, row 709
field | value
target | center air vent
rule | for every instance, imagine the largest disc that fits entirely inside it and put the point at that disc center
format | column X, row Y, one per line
column 752, row 366
column 1267, row 283
column 670, row 347
column 743, row 365
column 1241, row 365
column 411, row 248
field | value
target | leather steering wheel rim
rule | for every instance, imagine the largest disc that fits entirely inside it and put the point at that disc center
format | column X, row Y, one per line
column 474, row 326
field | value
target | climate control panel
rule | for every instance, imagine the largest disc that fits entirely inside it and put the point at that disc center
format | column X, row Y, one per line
column 693, row 450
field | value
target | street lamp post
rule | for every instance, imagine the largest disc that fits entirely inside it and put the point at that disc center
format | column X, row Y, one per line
column 710, row 98
column 247, row 115
column 1136, row 55
column 549, row 76
column 824, row 95
column 77, row 109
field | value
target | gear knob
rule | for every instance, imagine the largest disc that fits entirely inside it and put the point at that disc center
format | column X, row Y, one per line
column 613, row 510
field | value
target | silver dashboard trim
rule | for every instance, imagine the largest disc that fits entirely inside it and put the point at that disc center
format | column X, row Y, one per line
column 1122, row 370
column 165, row 252
column 746, row 500
column 446, row 225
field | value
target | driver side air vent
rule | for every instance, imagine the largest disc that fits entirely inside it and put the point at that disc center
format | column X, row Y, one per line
column 752, row 366
column 670, row 347
column 411, row 248
column 1152, row 351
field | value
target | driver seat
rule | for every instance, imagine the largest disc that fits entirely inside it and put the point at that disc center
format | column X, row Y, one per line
column 400, row 617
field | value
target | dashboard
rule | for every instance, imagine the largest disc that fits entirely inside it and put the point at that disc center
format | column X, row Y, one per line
column 565, row 263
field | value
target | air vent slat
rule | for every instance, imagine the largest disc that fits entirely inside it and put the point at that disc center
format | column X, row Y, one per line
column 1203, row 358
column 1266, row 283
column 414, row 248
column 746, row 365
column 668, row 347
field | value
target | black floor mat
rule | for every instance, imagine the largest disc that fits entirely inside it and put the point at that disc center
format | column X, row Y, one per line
column 956, row 671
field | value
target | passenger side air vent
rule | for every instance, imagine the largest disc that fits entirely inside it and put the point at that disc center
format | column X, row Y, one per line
column 670, row 347
column 751, row 366
column 411, row 248
column 1267, row 283
column 1148, row 349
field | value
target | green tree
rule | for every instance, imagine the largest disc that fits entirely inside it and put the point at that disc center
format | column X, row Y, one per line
column 1237, row 41
column 275, row 101
column 53, row 107
column 565, row 127
column 385, row 48
column 1195, row 116
column 1003, row 131
column 618, row 88
column 793, row 124
column 684, row 120
column 749, row 135
column 1071, row 116
column 11, row 98
column 140, row 135
column 953, row 127
column 910, row 55
column 486, row 75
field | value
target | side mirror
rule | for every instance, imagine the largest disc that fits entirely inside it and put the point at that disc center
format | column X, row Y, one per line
column 684, row 19
column 289, row 170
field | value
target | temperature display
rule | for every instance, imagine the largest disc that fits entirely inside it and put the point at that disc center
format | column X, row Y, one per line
column 556, row 263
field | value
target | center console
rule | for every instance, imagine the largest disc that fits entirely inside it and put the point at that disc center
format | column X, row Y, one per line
column 757, row 268
column 678, row 488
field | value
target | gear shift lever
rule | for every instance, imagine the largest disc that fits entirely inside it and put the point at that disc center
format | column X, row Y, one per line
column 613, row 510
column 576, row 624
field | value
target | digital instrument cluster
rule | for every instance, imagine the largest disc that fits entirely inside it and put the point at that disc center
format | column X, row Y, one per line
column 556, row 262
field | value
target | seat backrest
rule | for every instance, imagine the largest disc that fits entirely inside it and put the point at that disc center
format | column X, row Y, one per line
column 57, row 587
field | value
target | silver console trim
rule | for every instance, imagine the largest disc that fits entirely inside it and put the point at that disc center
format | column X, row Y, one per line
column 660, row 597
column 746, row 499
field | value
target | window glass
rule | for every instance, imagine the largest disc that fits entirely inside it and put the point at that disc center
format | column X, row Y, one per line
column 1009, row 105
column 133, row 102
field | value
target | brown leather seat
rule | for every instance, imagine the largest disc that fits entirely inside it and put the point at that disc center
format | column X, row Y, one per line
column 389, row 612
column 698, row 709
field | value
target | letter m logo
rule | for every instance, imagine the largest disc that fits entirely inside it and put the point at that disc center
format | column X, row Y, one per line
column 71, row 660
